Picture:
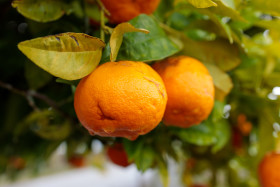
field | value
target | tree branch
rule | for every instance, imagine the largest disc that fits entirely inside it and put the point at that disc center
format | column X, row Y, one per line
column 30, row 94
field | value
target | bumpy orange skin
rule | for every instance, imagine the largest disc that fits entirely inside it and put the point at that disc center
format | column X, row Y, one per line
column 121, row 99
column 190, row 90
column 117, row 155
column 269, row 170
column 125, row 10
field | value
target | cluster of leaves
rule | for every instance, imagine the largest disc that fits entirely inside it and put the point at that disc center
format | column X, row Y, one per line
column 237, row 40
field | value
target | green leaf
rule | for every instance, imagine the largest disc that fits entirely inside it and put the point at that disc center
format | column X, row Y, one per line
column 132, row 148
column 117, row 37
column 221, row 80
column 223, row 8
column 48, row 125
column 269, row 24
column 228, row 3
column 142, row 155
column 36, row 77
column 273, row 79
column 222, row 133
column 267, row 6
column 198, row 34
column 226, row 8
column 76, row 8
column 213, row 131
column 213, row 52
column 69, row 56
column 218, row 111
column 163, row 9
column 145, row 159
column 266, row 140
column 202, row 135
column 40, row 10
column 223, row 27
column 72, row 83
column 144, row 47
column 202, row 3
column 92, row 10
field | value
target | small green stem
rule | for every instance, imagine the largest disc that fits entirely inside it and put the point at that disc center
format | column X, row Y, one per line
column 103, row 7
column 102, row 24
column 108, row 29
column 277, row 143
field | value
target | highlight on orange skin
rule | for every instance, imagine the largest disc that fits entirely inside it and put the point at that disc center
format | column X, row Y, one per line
column 121, row 99
column 125, row 10
column 190, row 90
column 269, row 168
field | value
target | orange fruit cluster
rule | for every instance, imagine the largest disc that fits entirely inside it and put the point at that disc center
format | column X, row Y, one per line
column 269, row 170
column 128, row 99
column 125, row 10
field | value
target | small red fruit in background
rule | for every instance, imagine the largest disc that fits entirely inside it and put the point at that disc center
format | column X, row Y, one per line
column 244, row 126
column 236, row 138
column 77, row 161
column 269, row 170
column 17, row 163
column 117, row 155
column 198, row 185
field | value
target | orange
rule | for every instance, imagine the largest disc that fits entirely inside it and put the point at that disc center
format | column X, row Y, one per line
column 190, row 90
column 125, row 10
column 117, row 155
column 269, row 168
column 121, row 99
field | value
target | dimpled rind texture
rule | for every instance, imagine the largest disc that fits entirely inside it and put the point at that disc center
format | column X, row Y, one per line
column 269, row 170
column 125, row 10
column 121, row 99
column 190, row 91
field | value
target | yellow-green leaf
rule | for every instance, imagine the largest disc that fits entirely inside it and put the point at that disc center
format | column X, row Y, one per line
column 221, row 80
column 68, row 56
column 40, row 10
column 269, row 24
column 117, row 37
column 267, row 6
column 48, row 125
column 198, row 3
column 214, row 52
column 224, row 9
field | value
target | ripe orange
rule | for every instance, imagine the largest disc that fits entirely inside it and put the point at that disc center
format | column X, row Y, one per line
column 121, row 99
column 269, row 168
column 190, row 90
column 125, row 10
column 117, row 155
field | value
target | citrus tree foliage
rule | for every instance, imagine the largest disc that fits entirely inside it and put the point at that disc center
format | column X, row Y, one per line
column 47, row 46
